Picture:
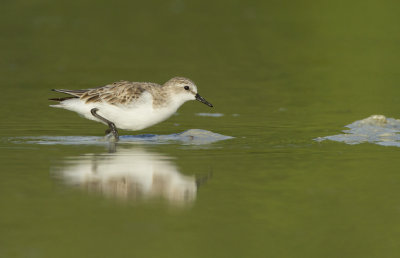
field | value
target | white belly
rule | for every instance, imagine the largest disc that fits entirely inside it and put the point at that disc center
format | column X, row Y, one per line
column 135, row 117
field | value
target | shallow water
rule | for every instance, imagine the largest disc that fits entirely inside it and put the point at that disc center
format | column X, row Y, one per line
column 279, row 74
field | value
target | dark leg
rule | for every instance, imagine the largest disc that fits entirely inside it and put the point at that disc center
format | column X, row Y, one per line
column 112, row 128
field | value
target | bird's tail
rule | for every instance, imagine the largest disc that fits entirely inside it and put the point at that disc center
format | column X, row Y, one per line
column 74, row 93
column 62, row 99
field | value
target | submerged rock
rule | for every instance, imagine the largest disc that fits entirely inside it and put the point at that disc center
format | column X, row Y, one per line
column 192, row 136
column 376, row 129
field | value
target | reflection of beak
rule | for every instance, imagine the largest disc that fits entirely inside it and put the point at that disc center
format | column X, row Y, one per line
column 202, row 100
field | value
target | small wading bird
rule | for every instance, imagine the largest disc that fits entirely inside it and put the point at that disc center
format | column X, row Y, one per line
column 130, row 105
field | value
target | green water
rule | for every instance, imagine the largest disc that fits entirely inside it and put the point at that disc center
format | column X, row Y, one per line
column 292, row 71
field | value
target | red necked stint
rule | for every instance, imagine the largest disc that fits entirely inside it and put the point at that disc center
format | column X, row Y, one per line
column 130, row 105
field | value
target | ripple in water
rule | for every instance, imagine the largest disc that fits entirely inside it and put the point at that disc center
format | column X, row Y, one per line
column 192, row 136
column 210, row 114
column 376, row 129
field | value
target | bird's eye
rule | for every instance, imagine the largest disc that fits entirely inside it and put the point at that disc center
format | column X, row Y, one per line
column 186, row 87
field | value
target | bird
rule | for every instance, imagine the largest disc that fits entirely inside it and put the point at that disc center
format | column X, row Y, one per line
column 130, row 105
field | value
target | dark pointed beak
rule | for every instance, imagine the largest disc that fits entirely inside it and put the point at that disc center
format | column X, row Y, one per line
column 202, row 100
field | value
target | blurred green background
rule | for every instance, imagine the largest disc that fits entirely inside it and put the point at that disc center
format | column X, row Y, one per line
column 291, row 71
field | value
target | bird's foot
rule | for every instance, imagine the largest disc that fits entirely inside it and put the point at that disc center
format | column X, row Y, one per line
column 112, row 135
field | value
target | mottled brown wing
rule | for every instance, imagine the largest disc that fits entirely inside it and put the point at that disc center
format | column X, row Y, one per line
column 122, row 92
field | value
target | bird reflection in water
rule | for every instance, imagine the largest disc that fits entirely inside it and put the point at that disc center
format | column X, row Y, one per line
column 132, row 174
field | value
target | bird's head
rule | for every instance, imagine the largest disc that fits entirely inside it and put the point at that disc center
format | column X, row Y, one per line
column 185, row 89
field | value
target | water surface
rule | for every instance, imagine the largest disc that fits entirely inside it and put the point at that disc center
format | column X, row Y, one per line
column 281, row 74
